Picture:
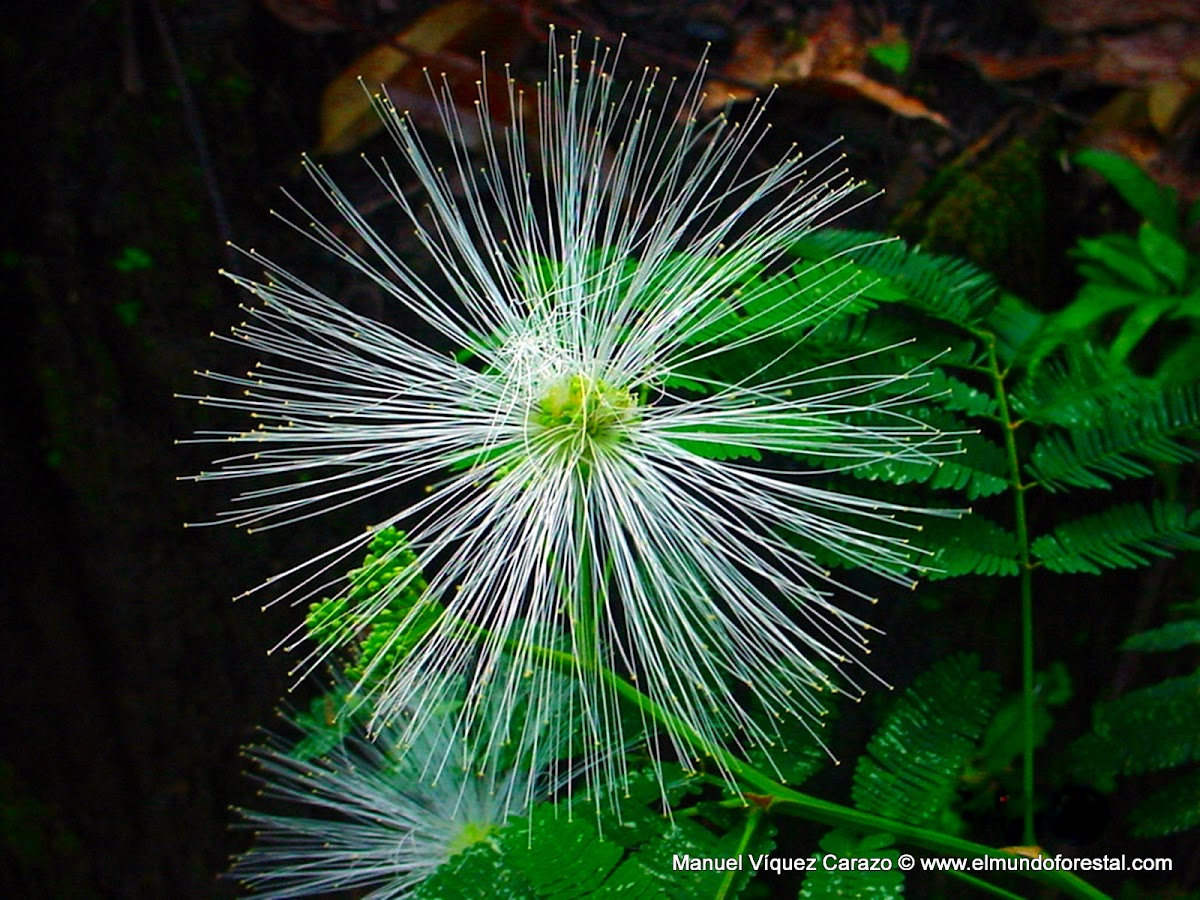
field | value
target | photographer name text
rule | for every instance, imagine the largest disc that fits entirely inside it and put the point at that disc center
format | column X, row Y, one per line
column 906, row 862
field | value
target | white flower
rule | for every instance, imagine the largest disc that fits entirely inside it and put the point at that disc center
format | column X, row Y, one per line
column 381, row 814
column 582, row 502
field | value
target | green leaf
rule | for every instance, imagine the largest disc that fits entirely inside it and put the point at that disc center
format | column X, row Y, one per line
column 1181, row 364
column 980, row 470
column 1119, row 255
column 909, row 340
column 642, row 797
column 1151, row 729
column 1136, row 325
column 651, row 872
column 1149, row 429
column 133, row 259
column 128, row 311
column 1004, row 739
column 1170, row 810
column 562, row 852
column 972, row 545
column 1168, row 257
column 911, row 770
column 788, row 304
column 1171, row 636
column 1156, row 204
column 795, row 753
column 580, row 860
column 945, row 287
column 550, row 854
column 1014, row 323
column 709, row 445
column 794, row 302
column 955, row 394
column 1077, row 389
column 1093, row 306
column 1123, row 537
column 1053, row 686
column 848, row 848
column 895, row 55
column 1147, row 730
column 478, row 873
column 325, row 726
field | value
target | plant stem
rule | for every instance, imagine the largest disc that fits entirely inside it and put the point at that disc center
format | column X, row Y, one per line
column 984, row 886
column 753, row 820
column 1021, row 522
column 583, row 602
column 786, row 800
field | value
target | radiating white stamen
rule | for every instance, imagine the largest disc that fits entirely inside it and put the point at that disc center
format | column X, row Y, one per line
column 604, row 536
column 381, row 814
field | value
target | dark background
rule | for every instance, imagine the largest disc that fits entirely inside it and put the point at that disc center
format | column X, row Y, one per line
column 137, row 138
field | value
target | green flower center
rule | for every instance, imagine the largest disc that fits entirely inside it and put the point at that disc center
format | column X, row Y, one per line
column 585, row 414
column 471, row 834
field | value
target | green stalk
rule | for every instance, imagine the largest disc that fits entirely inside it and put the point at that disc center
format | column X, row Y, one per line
column 775, row 796
column 753, row 820
column 586, row 602
column 1021, row 522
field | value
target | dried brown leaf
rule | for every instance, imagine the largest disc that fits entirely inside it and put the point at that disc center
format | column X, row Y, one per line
column 1021, row 68
column 447, row 39
column 312, row 16
column 1161, row 55
column 1079, row 16
column 1146, row 56
column 886, row 95
column 830, row 60
column 1166, row 100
